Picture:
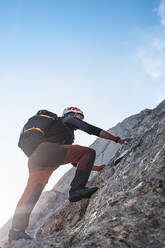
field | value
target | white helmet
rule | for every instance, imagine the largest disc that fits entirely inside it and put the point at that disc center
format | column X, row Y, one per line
column 73, row 110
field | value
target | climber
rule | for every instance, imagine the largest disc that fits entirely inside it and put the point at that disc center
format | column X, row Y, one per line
column 46, row 152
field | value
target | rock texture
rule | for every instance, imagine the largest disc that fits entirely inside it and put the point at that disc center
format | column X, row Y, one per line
column 128, row 209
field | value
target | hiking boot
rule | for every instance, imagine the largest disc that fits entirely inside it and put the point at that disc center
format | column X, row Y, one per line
column 18, row 234
column 79, row 194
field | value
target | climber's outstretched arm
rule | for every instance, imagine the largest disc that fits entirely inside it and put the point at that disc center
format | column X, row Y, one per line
column 106, row 135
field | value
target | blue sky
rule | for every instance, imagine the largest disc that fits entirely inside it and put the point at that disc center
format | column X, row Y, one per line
column 106, row 57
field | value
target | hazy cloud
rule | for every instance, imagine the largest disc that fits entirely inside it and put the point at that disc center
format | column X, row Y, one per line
column 161, row 12
column 152, row 58
column 151, row 54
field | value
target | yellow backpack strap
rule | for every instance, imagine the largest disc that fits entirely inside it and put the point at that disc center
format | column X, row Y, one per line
column 47, row 116
column 34, row 128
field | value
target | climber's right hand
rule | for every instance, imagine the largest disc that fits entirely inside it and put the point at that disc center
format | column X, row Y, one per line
column 123, row 141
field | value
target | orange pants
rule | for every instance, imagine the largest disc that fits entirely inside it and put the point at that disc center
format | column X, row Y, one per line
column 43, row 161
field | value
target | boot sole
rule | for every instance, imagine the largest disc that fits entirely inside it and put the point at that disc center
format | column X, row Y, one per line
column 78, row 198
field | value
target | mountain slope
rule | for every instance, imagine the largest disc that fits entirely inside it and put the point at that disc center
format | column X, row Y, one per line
column 128, row 209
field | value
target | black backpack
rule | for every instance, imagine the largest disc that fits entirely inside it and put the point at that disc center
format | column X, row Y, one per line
column 41, row 122
column 35, row 130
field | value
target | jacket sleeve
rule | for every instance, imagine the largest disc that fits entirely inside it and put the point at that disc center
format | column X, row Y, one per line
column 82, row 125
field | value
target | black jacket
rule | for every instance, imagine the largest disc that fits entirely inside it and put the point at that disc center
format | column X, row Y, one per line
column 62, row 131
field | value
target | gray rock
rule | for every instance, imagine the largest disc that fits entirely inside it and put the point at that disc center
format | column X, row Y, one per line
column 127, row 210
